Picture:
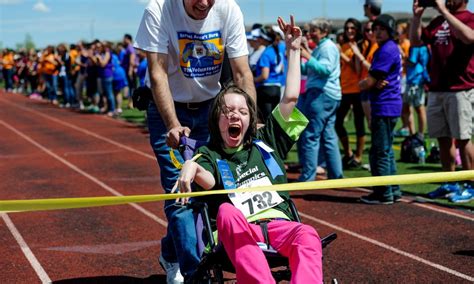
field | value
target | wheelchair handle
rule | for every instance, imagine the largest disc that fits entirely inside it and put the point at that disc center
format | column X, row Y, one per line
column 187, row 147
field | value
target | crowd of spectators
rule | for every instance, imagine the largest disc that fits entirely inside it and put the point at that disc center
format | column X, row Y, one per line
column 96, row 76
column 371, row 69
column 92, row 77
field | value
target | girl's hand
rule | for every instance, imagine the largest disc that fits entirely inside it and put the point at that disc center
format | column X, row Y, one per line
column 293, row 33
column 305, row 53
column 355, row 49
column 186, row 178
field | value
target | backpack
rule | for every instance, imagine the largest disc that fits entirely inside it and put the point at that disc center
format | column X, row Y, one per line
column 411, row 148
column 433, row 157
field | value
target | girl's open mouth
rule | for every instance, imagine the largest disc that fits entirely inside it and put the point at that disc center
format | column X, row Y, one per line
column 234, row 131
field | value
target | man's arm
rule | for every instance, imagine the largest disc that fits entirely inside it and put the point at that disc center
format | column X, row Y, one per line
column 157, row 69
column 368, row 83
column 243, row 77
column 131, row 64
column 460, row 30
column 415, row 26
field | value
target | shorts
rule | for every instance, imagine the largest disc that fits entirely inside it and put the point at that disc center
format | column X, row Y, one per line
column 450, row 114
column 118, row 85
column 403, row 83
column 414, row 96
column 364, row 96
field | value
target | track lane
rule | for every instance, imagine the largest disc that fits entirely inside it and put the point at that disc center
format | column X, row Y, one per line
column 94, row 227
column 333, row 206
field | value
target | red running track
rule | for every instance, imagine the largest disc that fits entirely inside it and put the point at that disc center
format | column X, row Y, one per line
column 46, row 152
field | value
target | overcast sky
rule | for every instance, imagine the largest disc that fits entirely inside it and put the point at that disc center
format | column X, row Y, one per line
column 55, row 21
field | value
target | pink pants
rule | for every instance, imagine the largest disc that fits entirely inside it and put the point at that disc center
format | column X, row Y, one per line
column 299, row 242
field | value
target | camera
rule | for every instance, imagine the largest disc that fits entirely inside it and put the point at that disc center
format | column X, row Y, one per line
column 141, row 97
column 427, row 3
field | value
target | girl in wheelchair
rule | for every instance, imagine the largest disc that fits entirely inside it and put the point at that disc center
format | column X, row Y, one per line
column 238, row 156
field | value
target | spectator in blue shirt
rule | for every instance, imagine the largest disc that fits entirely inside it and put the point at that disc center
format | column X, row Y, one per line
column 269, row 72
column 414, row 97
column 320, row 103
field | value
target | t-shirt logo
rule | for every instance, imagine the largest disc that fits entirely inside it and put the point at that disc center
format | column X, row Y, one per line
column 442, row 35
column 201, row 55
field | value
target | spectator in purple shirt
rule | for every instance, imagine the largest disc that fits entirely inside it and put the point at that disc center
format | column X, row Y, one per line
column 384, row 88
column 129, row 63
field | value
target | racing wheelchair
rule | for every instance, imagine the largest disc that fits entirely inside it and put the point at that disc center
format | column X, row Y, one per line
column 214, row 260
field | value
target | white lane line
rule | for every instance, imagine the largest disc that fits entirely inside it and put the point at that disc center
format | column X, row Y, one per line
column 441, row 210
column 118, row 144
column 85, row 174
column 91, row 153
column 438, row 209
column 43, row 276
column 391, row 248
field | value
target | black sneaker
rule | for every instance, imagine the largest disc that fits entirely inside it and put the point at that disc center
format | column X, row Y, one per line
column 350, row 163
column 375, row 200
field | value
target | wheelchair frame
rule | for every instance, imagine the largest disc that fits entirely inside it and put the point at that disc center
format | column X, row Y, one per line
column 213, row 264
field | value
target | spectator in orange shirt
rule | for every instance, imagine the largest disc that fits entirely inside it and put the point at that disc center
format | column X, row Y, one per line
column 8, row 62
column 350, row 76
column 49, row 69
column 404, row 45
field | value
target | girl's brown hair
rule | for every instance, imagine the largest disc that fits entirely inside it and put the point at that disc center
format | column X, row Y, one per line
column 219, row 107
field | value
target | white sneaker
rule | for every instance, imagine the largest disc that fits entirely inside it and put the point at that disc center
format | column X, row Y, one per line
column 173, row 275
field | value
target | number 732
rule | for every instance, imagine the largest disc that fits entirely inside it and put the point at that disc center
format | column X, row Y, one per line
column 261, row 200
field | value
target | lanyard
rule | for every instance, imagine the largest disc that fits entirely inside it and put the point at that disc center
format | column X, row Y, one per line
column 268, row 158
column 226, row 174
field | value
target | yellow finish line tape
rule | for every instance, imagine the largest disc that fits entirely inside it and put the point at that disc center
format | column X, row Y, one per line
column 175, row 161
column 8, row 206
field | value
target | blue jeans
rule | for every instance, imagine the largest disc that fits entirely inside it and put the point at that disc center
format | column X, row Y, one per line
column 51, row 86
column 381, row 157
column 68, row 90
column 8, row 77
column 108, row 92
column 320, row 110
column 180, row 243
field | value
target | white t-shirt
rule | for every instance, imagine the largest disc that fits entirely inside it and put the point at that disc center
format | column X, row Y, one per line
column 255, row 56
column 195, row 48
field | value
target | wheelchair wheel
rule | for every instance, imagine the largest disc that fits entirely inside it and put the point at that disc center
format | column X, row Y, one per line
column 218, row 275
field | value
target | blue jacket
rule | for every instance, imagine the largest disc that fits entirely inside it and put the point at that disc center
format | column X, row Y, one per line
column 323, row 69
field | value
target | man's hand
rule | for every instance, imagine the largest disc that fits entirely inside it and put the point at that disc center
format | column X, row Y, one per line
column 441, row 6
column 381, row 84
column 417, row 10
column 174, row 134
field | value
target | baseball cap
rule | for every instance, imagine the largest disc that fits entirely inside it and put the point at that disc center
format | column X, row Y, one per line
column 386, row 21
column 261, row 33
column 374, row 3
column 277, row 30
column 250, row 36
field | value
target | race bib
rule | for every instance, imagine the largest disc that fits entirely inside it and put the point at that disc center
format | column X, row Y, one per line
column 251, row 203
